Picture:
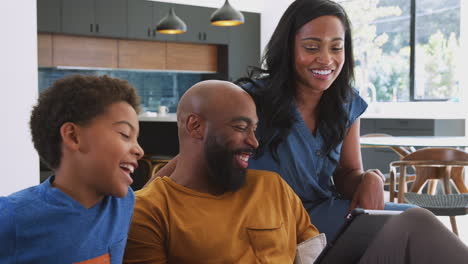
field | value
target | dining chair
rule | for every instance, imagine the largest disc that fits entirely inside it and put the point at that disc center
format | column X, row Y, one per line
column 432, row 164
column 401, row 152
column 157, row 162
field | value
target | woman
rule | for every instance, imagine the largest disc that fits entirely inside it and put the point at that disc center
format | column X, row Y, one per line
column 309, row 114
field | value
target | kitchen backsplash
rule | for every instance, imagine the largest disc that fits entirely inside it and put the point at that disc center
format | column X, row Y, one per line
column 154, row 88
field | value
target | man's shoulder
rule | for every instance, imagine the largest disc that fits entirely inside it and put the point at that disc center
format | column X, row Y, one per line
column 265, row 178
column 154, row 192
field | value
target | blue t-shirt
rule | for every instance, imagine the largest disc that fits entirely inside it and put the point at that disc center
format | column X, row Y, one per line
column 42, row 224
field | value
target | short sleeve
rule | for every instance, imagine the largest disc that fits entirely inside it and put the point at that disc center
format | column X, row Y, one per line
column 304, row 228
column 146, row 238
column 7, row 232
column 356, row 107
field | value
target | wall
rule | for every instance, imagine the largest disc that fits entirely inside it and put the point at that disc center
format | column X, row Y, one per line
column 18, row 67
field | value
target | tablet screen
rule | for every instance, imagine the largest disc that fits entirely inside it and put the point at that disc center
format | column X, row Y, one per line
column 353, row 238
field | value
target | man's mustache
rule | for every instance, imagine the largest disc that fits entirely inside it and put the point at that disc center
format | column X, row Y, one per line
column 249, row 151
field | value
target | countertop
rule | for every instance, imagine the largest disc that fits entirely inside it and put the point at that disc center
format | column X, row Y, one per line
column 153, row 117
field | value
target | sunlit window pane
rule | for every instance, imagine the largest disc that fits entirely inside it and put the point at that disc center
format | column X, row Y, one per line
column 437, row 49
column 381, row 39
column 381, row 33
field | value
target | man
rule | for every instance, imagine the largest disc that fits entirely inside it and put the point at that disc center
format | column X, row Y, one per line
column 212, row 209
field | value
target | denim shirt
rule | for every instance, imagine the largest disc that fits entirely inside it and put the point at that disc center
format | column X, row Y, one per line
column 302, row 161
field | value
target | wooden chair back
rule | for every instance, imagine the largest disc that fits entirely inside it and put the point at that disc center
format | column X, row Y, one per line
column 437, row 155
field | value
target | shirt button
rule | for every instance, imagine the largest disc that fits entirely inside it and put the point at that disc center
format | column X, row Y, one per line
column 318, row 152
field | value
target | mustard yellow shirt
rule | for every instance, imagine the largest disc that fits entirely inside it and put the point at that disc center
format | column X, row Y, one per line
column 260, row 223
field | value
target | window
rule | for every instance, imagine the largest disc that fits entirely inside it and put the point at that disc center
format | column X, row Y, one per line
column 406, row 50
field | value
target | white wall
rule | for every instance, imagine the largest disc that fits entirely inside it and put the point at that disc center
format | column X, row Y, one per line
column 18, row 69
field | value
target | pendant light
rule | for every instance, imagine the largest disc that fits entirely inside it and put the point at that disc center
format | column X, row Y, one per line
column 171, row 24
column 227, row 16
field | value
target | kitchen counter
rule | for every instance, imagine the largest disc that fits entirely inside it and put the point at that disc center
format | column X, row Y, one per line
column 171, row 117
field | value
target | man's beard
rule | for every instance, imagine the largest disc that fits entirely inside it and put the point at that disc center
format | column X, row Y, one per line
column 221, row 166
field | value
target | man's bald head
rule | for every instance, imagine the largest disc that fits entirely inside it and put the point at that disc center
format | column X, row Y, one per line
column 210, row 100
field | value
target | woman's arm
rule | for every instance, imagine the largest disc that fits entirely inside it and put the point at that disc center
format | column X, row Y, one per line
column 365, row 188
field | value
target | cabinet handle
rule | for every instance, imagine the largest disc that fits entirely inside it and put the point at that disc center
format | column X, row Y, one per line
column 154, row 32
column 91, row 27
column 149, row 32
column 204, row 35
column 199, row 36
column 97, row 28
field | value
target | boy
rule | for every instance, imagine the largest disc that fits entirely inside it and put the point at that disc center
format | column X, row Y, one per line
column 85, row 129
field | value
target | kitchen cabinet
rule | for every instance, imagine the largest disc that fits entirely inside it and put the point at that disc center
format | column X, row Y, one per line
column 199, row 28
column 95, row 17
column 85, row 51
column 140, row 54
column 159, row 138
column 44, row 50
column 48, row 15
column 244, row 46
column 192, row 57
column 143, row 16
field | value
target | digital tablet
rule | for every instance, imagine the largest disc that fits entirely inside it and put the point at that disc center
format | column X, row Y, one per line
column 354, row 236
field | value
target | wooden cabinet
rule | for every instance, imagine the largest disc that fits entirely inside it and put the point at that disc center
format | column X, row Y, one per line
column 44, row 50
column 138, row 54
column 199, row 28
column 192, row 57
column 48, row 15
column 95, row 17
column 143, row 16
column 244, row 46
column 84, row 51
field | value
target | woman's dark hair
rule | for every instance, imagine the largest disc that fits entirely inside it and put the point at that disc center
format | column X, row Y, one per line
column 275, row 98
column 78, row 99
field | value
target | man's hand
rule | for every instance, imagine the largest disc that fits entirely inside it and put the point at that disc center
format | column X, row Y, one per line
column 369, row 193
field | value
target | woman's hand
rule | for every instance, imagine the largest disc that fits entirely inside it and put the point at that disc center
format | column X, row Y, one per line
column 369, row 193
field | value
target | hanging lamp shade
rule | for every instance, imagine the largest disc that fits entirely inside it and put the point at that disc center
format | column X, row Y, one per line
column 171, row 24
column 227, row 16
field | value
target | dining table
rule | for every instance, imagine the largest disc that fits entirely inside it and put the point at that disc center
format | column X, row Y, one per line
column 415, row 141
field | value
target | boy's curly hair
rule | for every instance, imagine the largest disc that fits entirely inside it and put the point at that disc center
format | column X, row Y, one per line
column 77, row 99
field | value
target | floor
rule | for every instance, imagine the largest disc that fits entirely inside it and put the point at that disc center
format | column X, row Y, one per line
column 462, row 223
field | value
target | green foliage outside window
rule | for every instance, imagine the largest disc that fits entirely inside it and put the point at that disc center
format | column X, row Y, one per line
column 381, row 35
